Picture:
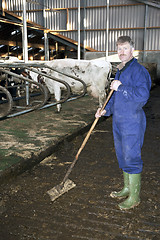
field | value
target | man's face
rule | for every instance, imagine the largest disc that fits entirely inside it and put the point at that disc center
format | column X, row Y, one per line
column 125, row 52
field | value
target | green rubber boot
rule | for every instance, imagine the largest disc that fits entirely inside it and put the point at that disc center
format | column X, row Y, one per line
column 134, row 192
column 125, row 191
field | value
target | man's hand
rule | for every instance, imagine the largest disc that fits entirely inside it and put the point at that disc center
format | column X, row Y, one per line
column 115, row 84
column 100, row 113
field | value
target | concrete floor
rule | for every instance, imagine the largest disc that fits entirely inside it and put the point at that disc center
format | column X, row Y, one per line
column 86, row 211
column 27, row 139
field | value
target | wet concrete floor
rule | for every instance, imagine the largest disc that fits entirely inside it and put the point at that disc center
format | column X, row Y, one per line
column 86, row 211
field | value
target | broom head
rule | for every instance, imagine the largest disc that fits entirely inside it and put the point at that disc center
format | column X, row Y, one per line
column 60, row 189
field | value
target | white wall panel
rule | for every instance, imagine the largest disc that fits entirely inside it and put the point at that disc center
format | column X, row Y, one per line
column 154, row 17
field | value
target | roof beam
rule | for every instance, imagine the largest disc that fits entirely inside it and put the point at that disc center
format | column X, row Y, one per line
column 156, row 5
column 14, row 43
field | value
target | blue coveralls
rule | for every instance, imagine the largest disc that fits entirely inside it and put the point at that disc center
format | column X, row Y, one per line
column 129, row 121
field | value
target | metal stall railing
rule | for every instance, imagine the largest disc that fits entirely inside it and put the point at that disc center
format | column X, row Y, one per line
column 25, row 79
column 43, row 103
column 6, row 102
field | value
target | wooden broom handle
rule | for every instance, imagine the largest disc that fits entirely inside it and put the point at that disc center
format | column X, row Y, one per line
column 93, row 125
column 86, row 138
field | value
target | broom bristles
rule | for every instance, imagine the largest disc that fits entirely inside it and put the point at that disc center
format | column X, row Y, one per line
column 60, row 189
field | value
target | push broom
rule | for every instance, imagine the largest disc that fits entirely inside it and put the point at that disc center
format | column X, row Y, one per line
column 68, row 184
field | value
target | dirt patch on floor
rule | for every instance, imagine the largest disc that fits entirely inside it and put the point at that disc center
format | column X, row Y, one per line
column 31, row 134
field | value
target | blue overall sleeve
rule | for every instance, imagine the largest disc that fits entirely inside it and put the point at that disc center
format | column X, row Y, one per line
column 109, row 106
column 138, row 92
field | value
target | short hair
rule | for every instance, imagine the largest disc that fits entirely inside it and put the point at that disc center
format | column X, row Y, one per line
column 123, row 39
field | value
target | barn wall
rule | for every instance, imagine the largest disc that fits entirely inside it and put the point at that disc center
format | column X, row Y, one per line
column 126, row 17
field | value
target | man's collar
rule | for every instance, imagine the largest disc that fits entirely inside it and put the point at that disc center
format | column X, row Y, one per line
column 122, row 65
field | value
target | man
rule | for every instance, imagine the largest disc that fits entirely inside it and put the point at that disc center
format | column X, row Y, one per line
column 131, row 91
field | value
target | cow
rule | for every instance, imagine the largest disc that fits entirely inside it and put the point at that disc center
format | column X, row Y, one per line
column 95, row 73
column 35, row 77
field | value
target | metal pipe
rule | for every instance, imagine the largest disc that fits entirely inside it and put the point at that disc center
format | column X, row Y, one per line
column 25, row 47
column 145, row 34
column 107, row 28
column 30, row 110
column 70, row 76
column 44, row 65
column 79, row 26
column 46, row 46
column 46, row 42
column 25, row 42
column 84, row 31
column 62, row 81
column 42, row 88
column 42, row 106
column 55, row 79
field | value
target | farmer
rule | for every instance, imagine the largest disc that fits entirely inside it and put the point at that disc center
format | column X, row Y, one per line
column 131, row 91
